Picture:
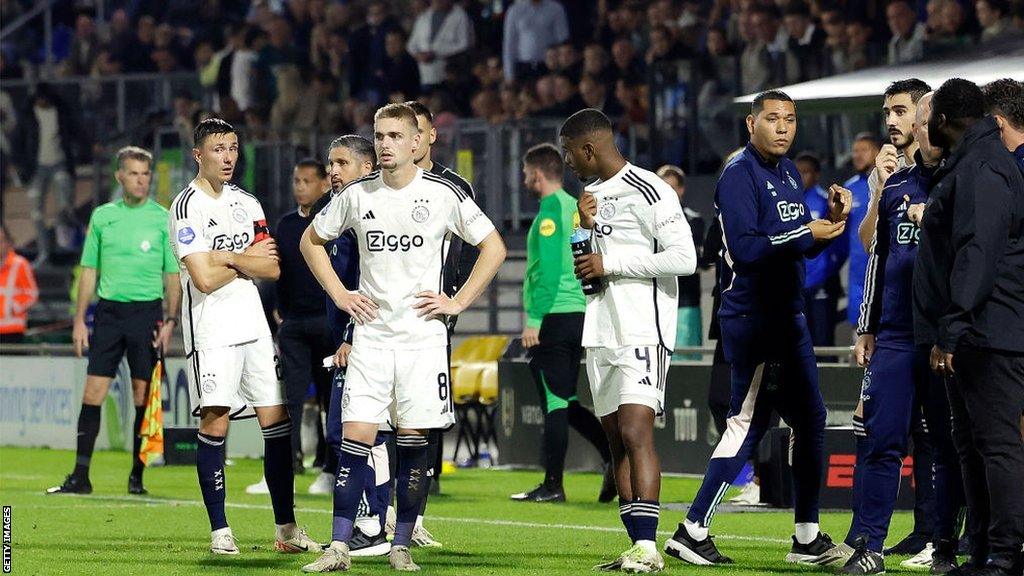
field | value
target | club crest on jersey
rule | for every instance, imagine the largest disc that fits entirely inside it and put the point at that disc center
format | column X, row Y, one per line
column 145, row 246
column 239, row 214
column 607, row 211
column 792, row 182
column 209, row 384
column 186, row 235
column 420, row 214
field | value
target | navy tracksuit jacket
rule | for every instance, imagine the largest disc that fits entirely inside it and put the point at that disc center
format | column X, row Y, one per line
column 764, row 333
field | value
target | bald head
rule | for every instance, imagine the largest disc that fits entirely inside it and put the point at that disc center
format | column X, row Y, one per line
column 930, row 154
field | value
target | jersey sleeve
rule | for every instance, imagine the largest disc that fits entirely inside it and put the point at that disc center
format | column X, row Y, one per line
column 334, row 218
column 736, row 198
column 468, row 221
column 188, row 232
column 552, row 241
column 874, row 274
column 260, row 229
column 91, row 249
column 674, row 253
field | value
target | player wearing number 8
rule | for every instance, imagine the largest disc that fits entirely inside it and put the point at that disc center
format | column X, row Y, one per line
column 400, row 341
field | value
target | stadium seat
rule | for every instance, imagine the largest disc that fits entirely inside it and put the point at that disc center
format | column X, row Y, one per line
column 474, row 375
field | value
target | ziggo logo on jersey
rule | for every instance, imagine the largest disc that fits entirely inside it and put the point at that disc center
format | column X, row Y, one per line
column 377, row 241
column 231, row 243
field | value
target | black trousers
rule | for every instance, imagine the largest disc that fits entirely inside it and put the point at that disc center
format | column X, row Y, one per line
column 947, row 480
column 555, row 364
column 304, row 343
column 986, row 401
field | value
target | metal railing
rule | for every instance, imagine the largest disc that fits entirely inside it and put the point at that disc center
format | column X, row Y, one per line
column 177, row 350
column 125, row 107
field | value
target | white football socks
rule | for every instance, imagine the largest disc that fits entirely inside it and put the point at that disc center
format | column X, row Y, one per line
column 806, row 532
column 696, row 531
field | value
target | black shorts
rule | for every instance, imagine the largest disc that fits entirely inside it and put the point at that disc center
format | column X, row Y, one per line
column 124, row 329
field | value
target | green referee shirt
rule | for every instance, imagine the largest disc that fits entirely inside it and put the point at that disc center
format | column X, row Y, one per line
column 130, row 248
column 550, row 286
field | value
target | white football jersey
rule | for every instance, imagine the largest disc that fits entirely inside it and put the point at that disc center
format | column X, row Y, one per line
column 645, row 243
column 233, row 313
column 402, row 249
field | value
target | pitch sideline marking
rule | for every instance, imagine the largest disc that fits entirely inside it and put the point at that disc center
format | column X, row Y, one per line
column 479, row 521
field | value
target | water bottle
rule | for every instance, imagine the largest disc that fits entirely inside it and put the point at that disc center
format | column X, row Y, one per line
column 580, row 243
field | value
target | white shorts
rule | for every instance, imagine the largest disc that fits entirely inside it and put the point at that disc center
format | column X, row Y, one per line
column 628, row 375
column 241, row 377
column 408, row 388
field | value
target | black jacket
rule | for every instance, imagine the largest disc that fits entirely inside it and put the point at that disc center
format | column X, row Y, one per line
column 299, row 294
column 689, row 286
column 461, row 256
column 969, row 272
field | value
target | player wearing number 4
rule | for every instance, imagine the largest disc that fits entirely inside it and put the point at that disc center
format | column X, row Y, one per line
column 220, row 238
column 399, row 359
column 767, row 234
column 641, row 243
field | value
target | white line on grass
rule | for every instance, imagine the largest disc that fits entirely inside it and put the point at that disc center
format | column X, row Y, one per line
column 479, row 521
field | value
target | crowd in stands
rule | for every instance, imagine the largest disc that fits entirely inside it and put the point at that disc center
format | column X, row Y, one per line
column 283, row 66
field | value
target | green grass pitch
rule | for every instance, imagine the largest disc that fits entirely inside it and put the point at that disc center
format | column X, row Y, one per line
column 111, row 533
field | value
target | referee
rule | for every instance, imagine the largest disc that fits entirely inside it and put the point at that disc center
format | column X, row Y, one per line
column 554, row 306
column 128, row 249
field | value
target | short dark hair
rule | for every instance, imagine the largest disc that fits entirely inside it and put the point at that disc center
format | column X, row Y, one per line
column 1005, row 97
column 912, row 86
column 758, row 104
column 321, row 170
column 767, row 10
column 357, row 145
column 548, row 159
column 797, row 8
column 1001, row 6
column 868, row 137
column 809, row 157
column 958, row 98
column 421, row 110
column 209, row 127
column 585, row 122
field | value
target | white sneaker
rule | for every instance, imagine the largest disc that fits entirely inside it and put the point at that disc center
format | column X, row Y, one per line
column 639, row 560
column 324, row 484
column 334, row 559
column 222, row 541
column 834, row 556
column 922, row 561
column 291, row 539
column 259, row 487
column 423, row 539
column 750, row 495
column 401, row 560
column 613, row 566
